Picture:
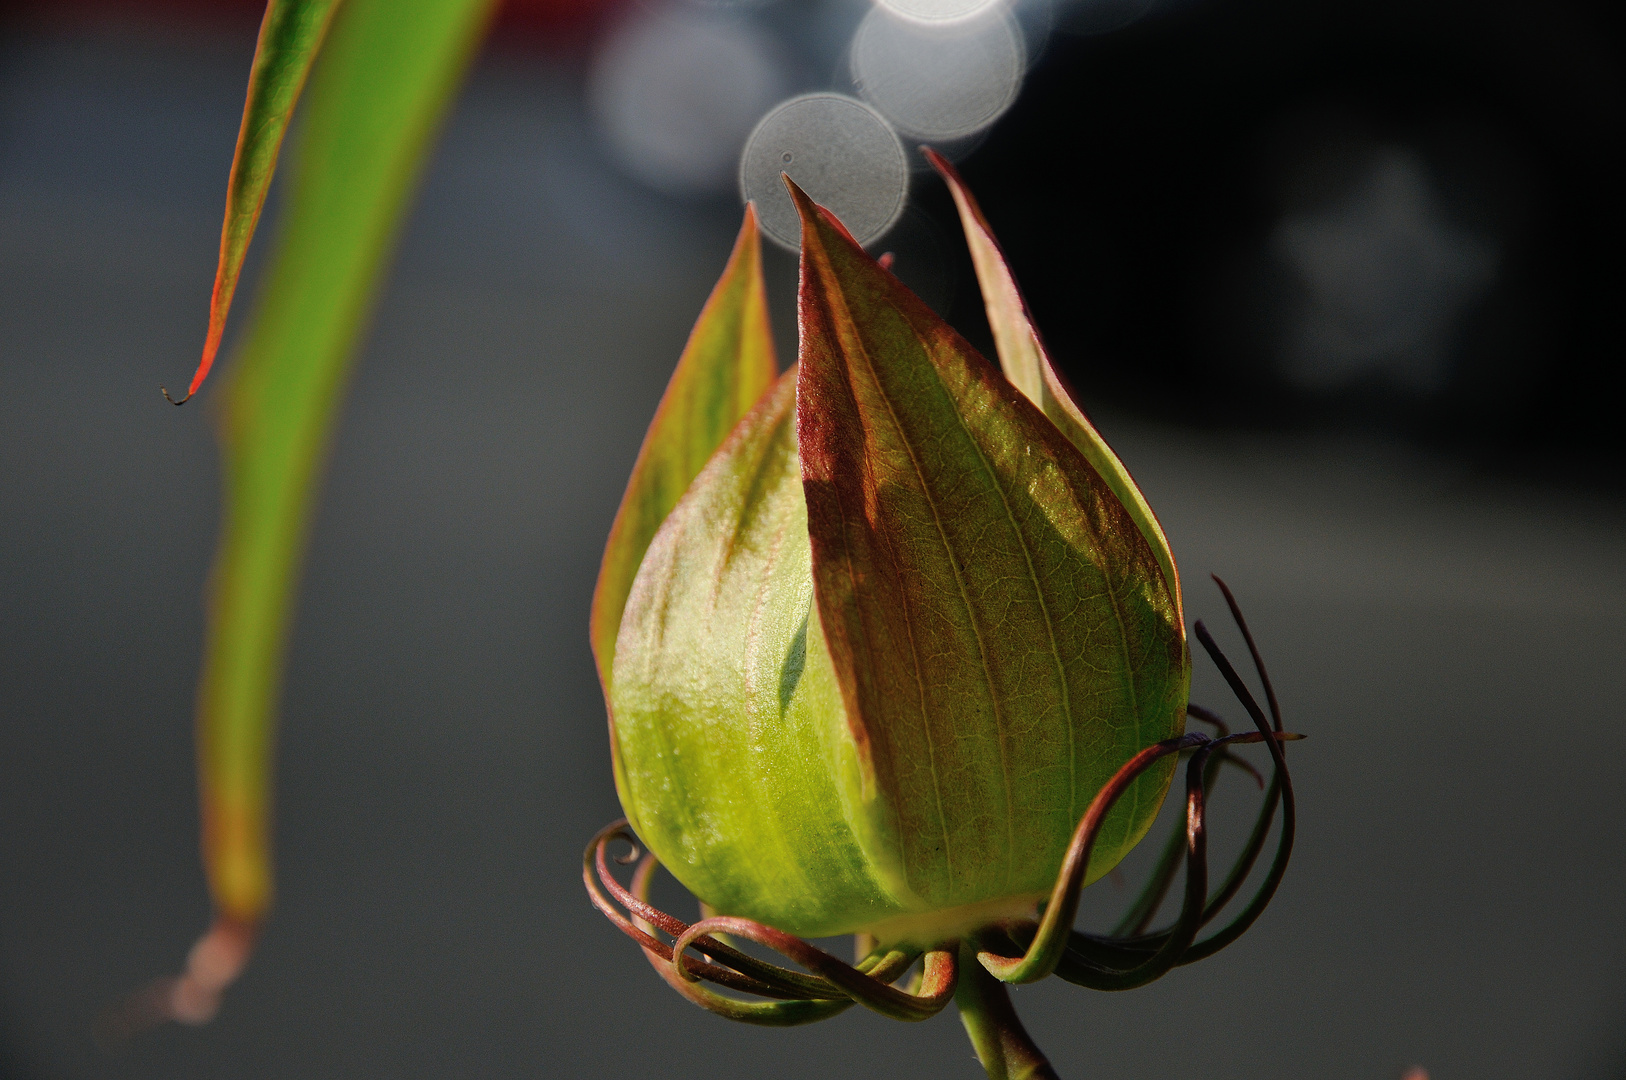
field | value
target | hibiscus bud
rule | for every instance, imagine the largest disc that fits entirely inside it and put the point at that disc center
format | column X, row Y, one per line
column 896, row 633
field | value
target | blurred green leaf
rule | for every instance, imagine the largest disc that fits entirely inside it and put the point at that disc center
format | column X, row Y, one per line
column 379, row 92
column 727, row 365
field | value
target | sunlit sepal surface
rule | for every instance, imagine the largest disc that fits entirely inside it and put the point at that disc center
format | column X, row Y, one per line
column 733, row 748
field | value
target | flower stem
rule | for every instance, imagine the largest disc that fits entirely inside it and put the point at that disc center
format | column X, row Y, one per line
column 1002, row 1044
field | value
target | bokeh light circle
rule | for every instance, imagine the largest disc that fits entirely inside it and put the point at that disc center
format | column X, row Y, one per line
column 939, row 80
column 937, row 10
column 842, row 152
column 675, row 93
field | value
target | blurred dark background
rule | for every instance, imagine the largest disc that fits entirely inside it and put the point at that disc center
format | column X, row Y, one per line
column 1362, row 214
column 1340, row 281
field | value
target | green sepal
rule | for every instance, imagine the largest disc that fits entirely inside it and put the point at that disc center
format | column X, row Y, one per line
column 1027, row 364
column 1001, row 631
column 726, row 367
column 730, row 739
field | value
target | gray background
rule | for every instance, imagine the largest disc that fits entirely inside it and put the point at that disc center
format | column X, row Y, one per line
column 1451, row 644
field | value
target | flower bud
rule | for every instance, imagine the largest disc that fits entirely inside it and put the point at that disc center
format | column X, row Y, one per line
column 897, row 632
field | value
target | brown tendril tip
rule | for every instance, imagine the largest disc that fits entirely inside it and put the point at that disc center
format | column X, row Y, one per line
column 1021, row 951
column 165, row 391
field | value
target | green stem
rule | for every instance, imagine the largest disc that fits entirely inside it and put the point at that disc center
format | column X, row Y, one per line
column 1002, row 1043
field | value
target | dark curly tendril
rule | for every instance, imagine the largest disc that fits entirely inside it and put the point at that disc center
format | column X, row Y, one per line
column 973, row 971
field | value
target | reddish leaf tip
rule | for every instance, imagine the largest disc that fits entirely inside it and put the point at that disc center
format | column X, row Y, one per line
column 809, row 210
column 938, row 161
column 806, row 208
column 957, row 185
